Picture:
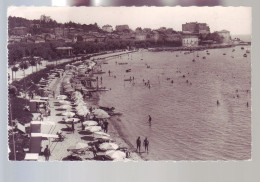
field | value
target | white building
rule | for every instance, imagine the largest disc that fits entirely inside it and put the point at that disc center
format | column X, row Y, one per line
column 190, row 41
column 107, row 28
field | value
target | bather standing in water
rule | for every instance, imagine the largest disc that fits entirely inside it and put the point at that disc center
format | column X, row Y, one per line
column 149, row 120
column 138, row 144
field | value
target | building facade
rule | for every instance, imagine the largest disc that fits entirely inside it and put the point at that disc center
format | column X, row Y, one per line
column 195, row 28
column 107, row 28
column 121, row 28
column 20, row 30
column 190, row 41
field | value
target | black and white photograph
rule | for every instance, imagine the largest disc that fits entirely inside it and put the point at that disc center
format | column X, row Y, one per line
column 129, row 84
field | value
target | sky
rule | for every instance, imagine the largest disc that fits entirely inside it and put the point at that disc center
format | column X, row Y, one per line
column 238, row 20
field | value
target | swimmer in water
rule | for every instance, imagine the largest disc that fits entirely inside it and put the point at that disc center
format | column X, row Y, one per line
column 149, row 120
column 217, row 102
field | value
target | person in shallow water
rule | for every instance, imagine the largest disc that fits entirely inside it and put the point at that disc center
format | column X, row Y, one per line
column 149, row 120
column 138, row 144
column 146, row 144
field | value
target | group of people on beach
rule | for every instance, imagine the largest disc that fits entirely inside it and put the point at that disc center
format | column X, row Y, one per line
column 145, row 143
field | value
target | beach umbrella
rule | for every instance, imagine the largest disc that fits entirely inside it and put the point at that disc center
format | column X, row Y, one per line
column 64, row 102
column 99, row 113
column 75, row 120
column 90, row 123
column 68, row 114
column 61, row 97
column 108, row 146
column 104, row 138
column 83, row 112
column 65, row 107
column 78, row 146
column 101, row 133
column 115, row 154
column 93, row 128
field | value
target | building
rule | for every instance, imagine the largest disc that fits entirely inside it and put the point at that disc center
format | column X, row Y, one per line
column 173, row 38
column 107, row 28
column 20, row 30
column 140, row 36
column 89, row 38
column 195, row 28
column 138, row 30
column 121, row 28
column 225, row 35
column 190, row 40
column 65, row 51
column 14, row 39
column 60, row 31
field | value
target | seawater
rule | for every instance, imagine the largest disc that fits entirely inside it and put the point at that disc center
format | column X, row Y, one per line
column 187, row 123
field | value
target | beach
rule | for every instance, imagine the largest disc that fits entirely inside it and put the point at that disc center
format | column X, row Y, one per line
column 199, row 103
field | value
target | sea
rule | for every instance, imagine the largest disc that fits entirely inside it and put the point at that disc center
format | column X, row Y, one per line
column 200, row 107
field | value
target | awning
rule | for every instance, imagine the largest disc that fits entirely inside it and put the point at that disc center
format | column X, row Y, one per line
column 31, row 156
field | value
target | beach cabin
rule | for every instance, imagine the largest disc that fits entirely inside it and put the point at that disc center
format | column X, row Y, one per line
column 35, row 105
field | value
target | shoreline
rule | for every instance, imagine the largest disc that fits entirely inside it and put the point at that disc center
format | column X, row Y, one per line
column 198, row 48
column 114, row 129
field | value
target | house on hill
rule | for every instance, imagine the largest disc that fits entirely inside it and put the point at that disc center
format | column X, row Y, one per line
column 107, row 28
column 121, row 28
column 20, row 31
column 65, row 51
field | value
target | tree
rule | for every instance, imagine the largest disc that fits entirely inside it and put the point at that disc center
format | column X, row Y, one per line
column 23, row 65
column 33, row 63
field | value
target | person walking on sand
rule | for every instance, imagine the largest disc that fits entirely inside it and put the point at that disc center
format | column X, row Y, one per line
column 72, row 126
column 149, row 120
column 138, row 144
column 46, row 153
column 105, row 126
column 146, row 144
column 94, row 150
